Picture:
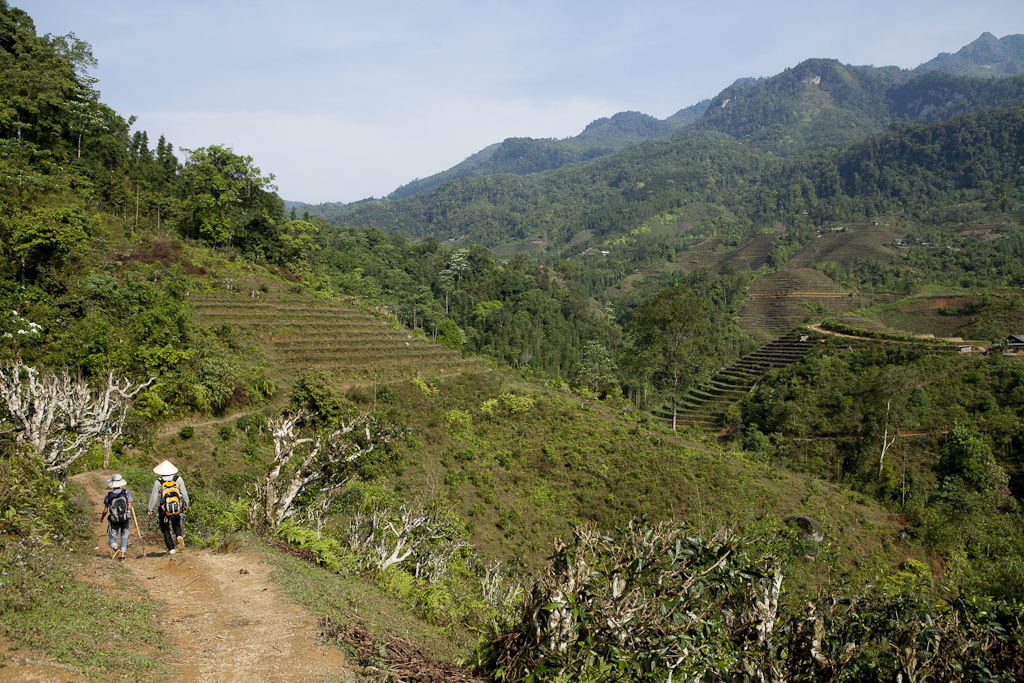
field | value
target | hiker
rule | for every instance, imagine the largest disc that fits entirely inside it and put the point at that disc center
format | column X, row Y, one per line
column 117, row 509
column 171, row 497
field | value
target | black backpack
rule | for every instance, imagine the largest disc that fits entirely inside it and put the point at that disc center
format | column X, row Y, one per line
column 119, row 507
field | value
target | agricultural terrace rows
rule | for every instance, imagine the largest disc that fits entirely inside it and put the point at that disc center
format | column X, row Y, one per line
column 297, row 335
column 780, row 301
column 706, row 404
column 855, row 244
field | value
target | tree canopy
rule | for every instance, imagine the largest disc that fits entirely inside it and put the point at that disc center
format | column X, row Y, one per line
column 672, row 342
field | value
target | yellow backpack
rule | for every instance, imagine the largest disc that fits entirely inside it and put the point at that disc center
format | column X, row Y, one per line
column 171, row 500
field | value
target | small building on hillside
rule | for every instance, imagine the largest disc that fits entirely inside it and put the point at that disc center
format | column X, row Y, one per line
column 1012, row 345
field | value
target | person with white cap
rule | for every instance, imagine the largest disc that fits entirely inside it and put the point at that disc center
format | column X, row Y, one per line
column 170, row 497
column 117, row 509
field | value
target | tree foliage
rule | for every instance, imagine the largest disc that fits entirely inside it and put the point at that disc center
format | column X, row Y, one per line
column 672, row 342
column 227, row 202
column 653, row 603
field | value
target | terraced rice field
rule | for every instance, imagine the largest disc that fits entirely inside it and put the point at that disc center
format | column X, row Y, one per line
column 706, row 404
column 859, row 243
column 780, row 301
column 296, row 335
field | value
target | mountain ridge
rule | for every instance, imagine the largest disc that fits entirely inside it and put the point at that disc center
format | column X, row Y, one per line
column 986, row 57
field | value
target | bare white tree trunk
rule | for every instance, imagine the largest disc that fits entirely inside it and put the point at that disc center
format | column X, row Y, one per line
column 401, row 541
column 886, row 441
column 497, row 593
column 385, row 538
column 60, row 417
column 319, row 458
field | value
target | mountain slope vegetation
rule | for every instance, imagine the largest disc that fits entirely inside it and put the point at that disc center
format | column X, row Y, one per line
column 522, row 156
column 864, row 494
column 987, row 56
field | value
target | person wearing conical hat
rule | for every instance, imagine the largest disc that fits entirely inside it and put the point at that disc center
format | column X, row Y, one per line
column 170, row 497
column 117, row 509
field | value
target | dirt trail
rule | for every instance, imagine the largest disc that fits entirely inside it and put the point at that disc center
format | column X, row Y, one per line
column 228, row 620
column 818, row 328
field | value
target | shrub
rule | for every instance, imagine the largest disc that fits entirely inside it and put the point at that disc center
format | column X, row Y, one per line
column 315, row 391
column 226, row 432
column 489, row 407
column 386, row 394
column 187, row 432
column 516, row 404
column 458, row 420
column 422, row 386
column 200, row 523
column 252, row 421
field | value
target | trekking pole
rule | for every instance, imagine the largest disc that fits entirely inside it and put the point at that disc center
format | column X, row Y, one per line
column 141, row 542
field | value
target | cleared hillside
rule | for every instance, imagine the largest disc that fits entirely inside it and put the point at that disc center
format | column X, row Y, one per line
column 853, row 243
column 296, row 332
column 780, row 301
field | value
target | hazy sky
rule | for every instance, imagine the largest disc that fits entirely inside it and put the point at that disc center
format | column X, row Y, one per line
column 342, row 101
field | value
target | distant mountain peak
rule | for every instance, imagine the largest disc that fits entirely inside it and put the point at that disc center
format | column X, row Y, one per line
column 987, row 56
column 812, row 86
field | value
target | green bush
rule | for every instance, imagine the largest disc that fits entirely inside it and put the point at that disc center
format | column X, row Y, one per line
column 385, row 394
column 226, row 432
column 201, row 523
column 459, row 421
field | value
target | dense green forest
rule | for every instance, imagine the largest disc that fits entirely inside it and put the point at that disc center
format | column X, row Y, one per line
column 522, row 156
column 916, row 168
column 599, row 285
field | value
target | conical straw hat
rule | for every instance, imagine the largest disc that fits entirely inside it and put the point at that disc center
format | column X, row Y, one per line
column 165, row 469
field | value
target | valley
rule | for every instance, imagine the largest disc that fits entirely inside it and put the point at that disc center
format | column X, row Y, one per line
column 730, row 395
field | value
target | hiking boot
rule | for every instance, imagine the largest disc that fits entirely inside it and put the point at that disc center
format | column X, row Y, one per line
column 181, row 543
column 122, row 557
column 113, row 553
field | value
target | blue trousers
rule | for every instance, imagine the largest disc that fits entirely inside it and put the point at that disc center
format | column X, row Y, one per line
column 114, row 529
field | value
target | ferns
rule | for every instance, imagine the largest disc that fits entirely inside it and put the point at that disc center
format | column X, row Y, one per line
column 326, row 550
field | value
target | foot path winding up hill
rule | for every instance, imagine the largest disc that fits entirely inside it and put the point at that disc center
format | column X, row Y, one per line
column 228, row 621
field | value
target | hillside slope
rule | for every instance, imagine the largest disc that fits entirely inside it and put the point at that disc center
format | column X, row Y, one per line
column 521, row 156
column 846, row 105
column 296, row 333
column 986, row 57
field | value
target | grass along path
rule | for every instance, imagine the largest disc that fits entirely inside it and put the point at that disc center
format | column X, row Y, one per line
column 227, row 619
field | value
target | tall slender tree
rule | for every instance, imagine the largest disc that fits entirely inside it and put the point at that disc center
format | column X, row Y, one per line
column 672, row 343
